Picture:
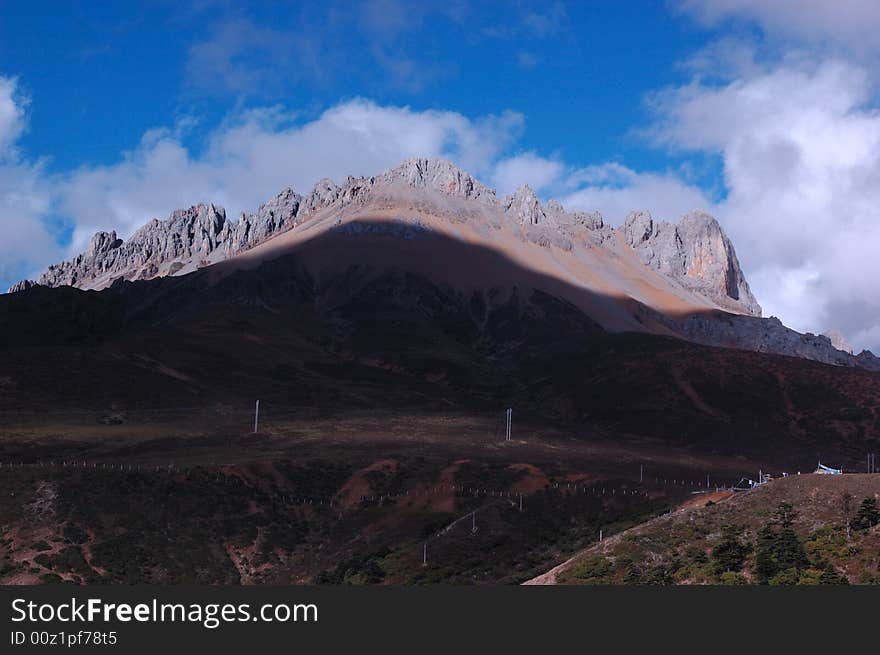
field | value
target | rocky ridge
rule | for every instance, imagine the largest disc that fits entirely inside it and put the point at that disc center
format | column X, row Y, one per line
column 769, row 335
column 693, row 252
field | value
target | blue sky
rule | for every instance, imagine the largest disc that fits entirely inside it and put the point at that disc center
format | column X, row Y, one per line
column 765, row 114
column 99, row 76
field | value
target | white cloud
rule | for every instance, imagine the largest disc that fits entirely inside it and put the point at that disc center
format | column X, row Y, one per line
column 249, row 159
column 611, row 188
column 24, row 195
column 12, row 119
column 800, row 147
column 540, row 173
column 850, row 24
column 615, row 190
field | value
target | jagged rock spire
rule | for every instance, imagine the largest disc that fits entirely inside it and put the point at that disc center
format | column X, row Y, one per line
column 524, row 205
column 441, row 175
column 696, row 252
column 23, row 285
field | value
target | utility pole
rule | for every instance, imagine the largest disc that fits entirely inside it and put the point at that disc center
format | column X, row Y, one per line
column 509, row 423
column 707, row 481
column 425, row 554
column 520, row 502
column 473, row 522
column 641, row 472
column 257, row 418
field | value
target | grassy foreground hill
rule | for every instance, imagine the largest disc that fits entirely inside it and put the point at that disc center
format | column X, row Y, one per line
column 789, row 531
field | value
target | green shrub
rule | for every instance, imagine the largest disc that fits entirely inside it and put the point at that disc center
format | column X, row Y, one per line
column 595, row 569
column 731, row 578
column 785, row 577
column 696, row 554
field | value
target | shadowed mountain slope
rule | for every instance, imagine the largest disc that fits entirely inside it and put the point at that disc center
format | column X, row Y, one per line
column 346, row 322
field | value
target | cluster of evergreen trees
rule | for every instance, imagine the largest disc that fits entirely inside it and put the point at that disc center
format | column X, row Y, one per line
column 780, row 555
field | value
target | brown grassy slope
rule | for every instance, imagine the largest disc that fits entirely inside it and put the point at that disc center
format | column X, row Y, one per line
column 677, row 548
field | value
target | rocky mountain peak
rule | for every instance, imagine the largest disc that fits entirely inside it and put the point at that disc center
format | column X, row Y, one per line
column 638, row 227
column 523, row 204
column 277, row 215
column 186, row 231
column 693, row 251
column 696, row 252
column 102, row 242
column 323, row 194
column 591, row 220
column 441, row 175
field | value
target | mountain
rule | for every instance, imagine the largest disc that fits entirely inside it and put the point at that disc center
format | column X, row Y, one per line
column 681, row 279
column 385, row 325
column 420, row 289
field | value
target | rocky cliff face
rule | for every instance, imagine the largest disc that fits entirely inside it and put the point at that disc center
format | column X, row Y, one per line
column 695, row 252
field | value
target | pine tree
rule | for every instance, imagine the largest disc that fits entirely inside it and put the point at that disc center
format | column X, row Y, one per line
column 868, row 515
column 730, row 553
column 785, row 515
column 789, row 552
column 780, row 552
column 765, row 564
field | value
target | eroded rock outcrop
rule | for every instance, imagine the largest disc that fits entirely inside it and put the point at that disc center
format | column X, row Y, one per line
column 186, row 240
column 524, row 207
column 22, row 285
column 695, row 252
column 278, row 215
column 157, row 248
column 441, row 175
